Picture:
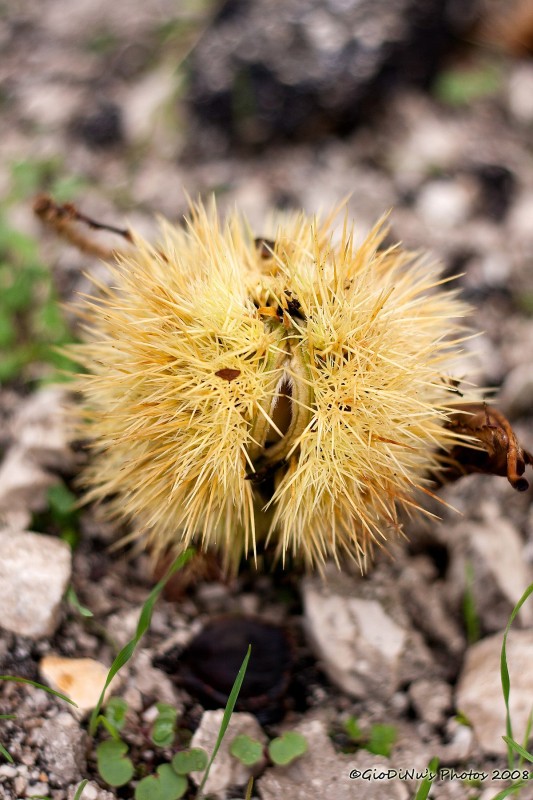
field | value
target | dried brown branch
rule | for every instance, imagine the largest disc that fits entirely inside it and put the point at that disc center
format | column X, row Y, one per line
column 69, row 223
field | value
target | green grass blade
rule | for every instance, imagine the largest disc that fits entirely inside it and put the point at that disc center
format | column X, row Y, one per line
column 228, row 711
column 514, row 788
column 470, row 615
column 6, row 755
column 527, row 734
column 423, row 790
column 38, row 686
column 142, row 626
column 517, row 748
column 79, row 790
column 504, row 671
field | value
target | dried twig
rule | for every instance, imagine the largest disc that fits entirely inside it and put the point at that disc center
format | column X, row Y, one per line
column 68, row 222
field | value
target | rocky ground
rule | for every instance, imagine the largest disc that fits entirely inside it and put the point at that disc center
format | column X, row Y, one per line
column 128, row 111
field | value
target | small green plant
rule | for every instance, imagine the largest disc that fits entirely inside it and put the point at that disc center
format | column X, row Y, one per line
column 113, row 764
column 286, row 748
column 247, row 750
column 142, row 626
column 164, row 727
column 72, row 599
column 192, row 760
column 61, row 515
column 460, row 86
column 470, row 615
column 166, row 784
column 516, row 753
column 379, row 740
column 32, row 324
column 282, row 750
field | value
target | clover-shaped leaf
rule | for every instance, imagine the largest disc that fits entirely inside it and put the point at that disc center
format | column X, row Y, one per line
column 249, row 751
column 193, row 760
column 113, row 766
column 165, row 785
column 287, row 747
column 164, row 727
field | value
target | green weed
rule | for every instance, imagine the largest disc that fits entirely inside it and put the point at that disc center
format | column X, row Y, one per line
column 32, row 324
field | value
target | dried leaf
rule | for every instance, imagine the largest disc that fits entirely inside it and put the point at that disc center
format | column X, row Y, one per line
column 496, row 450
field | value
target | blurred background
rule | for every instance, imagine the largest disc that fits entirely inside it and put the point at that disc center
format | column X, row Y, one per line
column 127, row 108
column 424, row 109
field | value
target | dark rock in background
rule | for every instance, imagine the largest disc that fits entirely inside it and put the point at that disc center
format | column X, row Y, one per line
column 266, row 71
column 101, row 127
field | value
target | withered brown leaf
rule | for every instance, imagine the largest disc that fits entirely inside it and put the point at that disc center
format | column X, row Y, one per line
column 496, row 450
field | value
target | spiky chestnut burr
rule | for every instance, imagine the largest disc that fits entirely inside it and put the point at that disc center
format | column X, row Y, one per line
column 295, row 390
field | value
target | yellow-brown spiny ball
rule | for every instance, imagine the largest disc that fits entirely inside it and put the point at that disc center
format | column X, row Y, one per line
column 293, row 390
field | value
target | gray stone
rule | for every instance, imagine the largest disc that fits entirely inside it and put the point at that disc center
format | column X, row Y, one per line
column 479, row 691
column 493, row 550
column 266, row 70
column 23, row 483
column 62, row 746
column 520, row 94
column 322, row 773
column 41, row 429
column 34, row 574
column 91, row 792
column 364, row 643
column 226, row 770
column 445, row 203
column 431, row 699
column 516, row 397
column 423, row 597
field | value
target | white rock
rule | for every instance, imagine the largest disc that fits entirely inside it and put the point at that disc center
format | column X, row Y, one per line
column 495, row 552
column 460, row 743
column 23, row 483
column 18, row 519
column 321, row 773
column 62, row 746
column 144, row 104
column 425, row 140
column 91, row 792
column 361, row 647
column 152, row 682
column 81, row 679
column 516, row 396
column 226, row 770
column 479, row 691
column 34, row 574
column 431, row 699
column 519, row 222
column 41, row 430
column 520, row 92
column 444, row 203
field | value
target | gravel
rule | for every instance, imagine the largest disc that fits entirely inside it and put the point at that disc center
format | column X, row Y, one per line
column 102, row 95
